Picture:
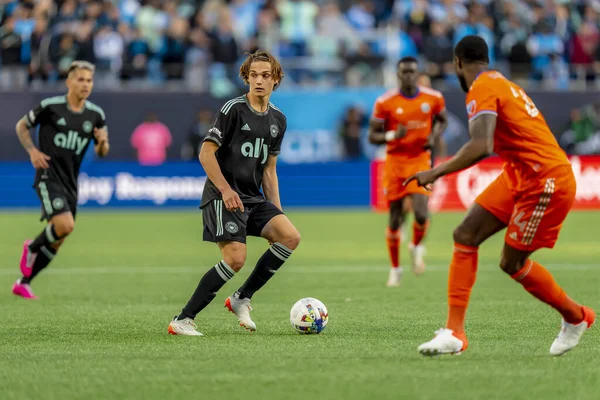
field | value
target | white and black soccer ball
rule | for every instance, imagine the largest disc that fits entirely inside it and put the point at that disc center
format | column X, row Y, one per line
column 309, row 316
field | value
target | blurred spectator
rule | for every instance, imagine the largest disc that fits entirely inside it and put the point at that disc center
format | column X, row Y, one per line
column 418, row 22
column 10, row 52
column 351, row 127
column 513, row 46
column 151, row 23
column 297, row 25
column 135, row 63
column 584, row 45
column 478, row 23
column 174, row 48
column 267, row 31
column 583, row 135
column 38, row 66
column 151, row 139
column 224, row 52
column 541, row 45
column 195, row 44
column 244, row 14
column 361, row 15
column 191, row 147
column 438, row 49
column 63, row 54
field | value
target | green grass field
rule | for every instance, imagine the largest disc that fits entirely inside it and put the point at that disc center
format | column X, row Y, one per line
column 99, row 330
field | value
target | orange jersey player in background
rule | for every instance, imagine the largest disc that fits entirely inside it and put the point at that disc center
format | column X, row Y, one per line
column 409, row 122
column 531, row 198
column 437, row 151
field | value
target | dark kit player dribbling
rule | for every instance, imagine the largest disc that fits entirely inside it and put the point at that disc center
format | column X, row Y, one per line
column 67, row 125
column 239, row 155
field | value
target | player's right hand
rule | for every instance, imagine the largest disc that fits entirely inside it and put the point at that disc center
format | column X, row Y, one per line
column 401, row 131
column 39, row 159
column 232, row 200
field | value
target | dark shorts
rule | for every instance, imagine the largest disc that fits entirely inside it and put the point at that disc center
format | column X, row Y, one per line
column 221, row 225
column 55, row 199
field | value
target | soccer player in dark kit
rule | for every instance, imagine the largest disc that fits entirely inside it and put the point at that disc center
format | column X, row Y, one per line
column 239, row 155
column 67, row 125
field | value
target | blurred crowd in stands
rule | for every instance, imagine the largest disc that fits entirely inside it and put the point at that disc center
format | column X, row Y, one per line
column 198, row 44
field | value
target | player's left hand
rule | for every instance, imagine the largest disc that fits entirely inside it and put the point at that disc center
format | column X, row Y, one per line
column 423, row 178
column 101, row 135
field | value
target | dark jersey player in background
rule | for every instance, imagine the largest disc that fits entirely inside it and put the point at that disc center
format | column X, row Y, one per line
column 67, row 126
column 239, row 155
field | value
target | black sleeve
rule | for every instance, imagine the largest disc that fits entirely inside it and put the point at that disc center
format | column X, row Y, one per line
column 36, row 116
column 276, row 148
column 221, row 129
column 100, row 121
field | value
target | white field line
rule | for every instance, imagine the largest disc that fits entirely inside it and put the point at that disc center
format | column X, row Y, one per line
column 129, row 270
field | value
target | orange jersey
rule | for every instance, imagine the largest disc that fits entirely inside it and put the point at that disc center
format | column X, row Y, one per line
column 522, row 137
column 415, row 113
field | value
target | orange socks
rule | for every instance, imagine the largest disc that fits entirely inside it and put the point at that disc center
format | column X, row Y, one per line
column 462, row 274
column 419, row 232
column 393, row 244
column 540, row 283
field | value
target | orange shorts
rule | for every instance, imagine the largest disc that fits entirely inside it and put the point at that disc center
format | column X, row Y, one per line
column 534, row 214
column 396, row 170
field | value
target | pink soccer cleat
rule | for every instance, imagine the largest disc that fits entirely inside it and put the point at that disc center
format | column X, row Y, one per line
column 27, row 259
column 23, row 290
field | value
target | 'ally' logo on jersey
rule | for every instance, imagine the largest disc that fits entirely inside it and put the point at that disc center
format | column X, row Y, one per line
column 253, row 150
column 70, row 141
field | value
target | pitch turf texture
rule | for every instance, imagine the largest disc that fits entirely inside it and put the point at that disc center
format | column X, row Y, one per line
column 99, row 330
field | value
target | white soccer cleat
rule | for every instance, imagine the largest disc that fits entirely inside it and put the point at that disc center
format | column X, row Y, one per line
column 394, row 277
column 417, row 252
column 241, row 308
column 444, row 342
column 570, row 334
column 185, row 327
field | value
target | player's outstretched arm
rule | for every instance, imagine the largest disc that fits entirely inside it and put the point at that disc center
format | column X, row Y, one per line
column 209, row 162
column 479, row 147
column 102, row 146
column 270, row 182
column 38, row 159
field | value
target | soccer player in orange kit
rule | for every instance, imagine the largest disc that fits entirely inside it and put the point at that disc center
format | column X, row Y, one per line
column 409, row 121
column 531, row 198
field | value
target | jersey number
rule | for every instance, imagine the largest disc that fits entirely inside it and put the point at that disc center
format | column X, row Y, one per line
column 531, row 109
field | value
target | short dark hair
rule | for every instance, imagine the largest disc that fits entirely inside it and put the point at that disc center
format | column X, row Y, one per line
column 472, row 49
column 408, row 59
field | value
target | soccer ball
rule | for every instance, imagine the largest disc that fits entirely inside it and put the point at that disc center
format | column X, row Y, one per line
column 309, row 315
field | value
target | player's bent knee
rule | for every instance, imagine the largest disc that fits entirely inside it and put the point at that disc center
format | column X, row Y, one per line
column 64, row 227
column 292, row 240
column 465, row 237
column 234, row 254
column 421, row 218
column 235, row 261
column 511, row 266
